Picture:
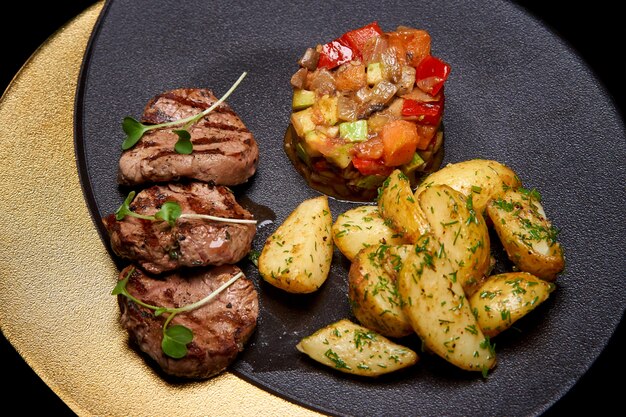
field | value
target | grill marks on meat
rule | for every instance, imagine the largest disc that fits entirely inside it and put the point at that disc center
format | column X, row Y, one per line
column 221, row 328
column 225, row 151
column 157, row 247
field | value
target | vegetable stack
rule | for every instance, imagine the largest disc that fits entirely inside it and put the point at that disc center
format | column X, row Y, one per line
column 365, row 104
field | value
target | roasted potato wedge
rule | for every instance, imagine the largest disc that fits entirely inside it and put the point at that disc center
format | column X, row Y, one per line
column 361, row 227
column 397, row 205
column 482, row 178
column 350, row 348
column 297, row 256
column 527, row 236
column 439, row 311
column 505, row 298
column 372, row 289
column 461, row 231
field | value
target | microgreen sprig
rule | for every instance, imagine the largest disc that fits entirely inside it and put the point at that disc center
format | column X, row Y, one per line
column 176, row 337
column 170, row 212
column 135, row 130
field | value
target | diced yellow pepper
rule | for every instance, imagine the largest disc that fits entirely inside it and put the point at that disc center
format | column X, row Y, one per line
column 374, row 73
column 327, row 106
column 302, row 121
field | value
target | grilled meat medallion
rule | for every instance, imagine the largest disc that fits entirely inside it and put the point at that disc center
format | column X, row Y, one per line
column 224, row 150
column 220, row 328
column 158, row 247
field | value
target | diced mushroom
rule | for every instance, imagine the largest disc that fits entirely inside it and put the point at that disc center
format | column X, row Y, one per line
column 298, row 80
column 309, row 59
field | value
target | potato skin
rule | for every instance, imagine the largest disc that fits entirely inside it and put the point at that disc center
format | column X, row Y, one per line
column 354, row 349
column 484, row 179
column 397, row 205
column 461, row 232
column 361, row 227
column 297, row 256
column 505, row 298
column 439, row 312
column 526, row 234
column 373, row 293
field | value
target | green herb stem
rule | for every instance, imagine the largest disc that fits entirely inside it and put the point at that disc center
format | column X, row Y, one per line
column 215, row 218
column 192, row 119
column 121, row 289
column 206, row 299
column 189, row 307
column 175, row 338
column 135, row 299
column 135, row 130
column 170, row 212
column 140, row 216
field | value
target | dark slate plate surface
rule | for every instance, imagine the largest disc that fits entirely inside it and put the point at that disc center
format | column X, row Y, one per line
column 517, row 94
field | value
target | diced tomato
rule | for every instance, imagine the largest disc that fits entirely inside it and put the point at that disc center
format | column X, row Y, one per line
column 400, row 141
column 371, row 166
column 350, row 77
column 334, row 54
column 370, row 149
column 413, row 44
column 430, row 75
column 356, row 39
column 426, row 113
column 418, row 47
column 426, row 133
column 398, row 46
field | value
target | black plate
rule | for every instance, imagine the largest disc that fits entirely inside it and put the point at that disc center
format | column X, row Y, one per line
column 517, row 94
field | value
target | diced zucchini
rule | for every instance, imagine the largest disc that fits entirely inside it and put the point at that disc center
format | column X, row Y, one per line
column 370, row 181
column 327, row 106
column 302, row 154
column 340, row 155
column 302, row 99
column 302, row 121
column 314, row 141
column 353, row 131
column 374, row 73
column 411, row 166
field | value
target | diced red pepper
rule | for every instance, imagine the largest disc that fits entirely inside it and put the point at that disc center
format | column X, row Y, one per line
column 356, row 39
column 334, row 54
column 430, row 75
column 426, row 113
column 371, row 166
column 347, row 47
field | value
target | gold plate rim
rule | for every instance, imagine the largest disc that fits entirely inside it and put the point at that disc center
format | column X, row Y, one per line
column 45, row 314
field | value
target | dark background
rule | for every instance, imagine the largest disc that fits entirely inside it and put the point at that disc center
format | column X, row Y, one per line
column 596, row 32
